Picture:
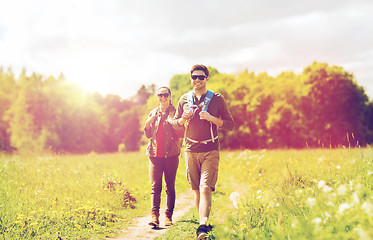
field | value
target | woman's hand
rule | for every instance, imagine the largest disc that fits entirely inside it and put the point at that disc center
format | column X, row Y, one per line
column 150, row 120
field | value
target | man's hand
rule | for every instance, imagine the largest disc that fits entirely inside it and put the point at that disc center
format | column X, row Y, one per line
column 207, row 116
column 204, row 115
column 184, row 117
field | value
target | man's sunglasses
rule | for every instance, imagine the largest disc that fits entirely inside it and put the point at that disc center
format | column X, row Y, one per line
column 200, row 77
column 163, row 95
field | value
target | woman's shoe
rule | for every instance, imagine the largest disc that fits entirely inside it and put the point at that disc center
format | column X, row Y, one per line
column 155, row 220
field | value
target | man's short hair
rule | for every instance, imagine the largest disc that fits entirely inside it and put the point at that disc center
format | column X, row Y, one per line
column 200, row 67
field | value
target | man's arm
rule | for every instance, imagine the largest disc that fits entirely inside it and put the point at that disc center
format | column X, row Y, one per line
column 226, row 116
column 225, row 121
column 180, row 115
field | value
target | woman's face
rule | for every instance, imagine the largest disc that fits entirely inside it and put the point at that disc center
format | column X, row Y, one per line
column 163, row 95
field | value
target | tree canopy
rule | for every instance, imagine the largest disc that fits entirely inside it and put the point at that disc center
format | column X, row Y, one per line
column 321, row 107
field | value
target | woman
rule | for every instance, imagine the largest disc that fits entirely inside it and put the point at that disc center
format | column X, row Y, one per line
column 163, row 151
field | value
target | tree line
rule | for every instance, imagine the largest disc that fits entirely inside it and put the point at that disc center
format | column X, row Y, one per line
column 321, row 107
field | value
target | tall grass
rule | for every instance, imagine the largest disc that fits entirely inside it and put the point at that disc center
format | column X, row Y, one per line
column 305, row 194
column 73, row 197
column 289, row 194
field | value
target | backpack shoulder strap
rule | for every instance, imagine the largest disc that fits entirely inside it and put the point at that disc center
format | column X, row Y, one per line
column 207, row 100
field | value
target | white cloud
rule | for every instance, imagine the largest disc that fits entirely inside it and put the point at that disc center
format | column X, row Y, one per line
column 116, row 46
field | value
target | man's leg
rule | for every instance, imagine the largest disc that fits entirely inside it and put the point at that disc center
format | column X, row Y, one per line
column 204, row 204
column 196, row 199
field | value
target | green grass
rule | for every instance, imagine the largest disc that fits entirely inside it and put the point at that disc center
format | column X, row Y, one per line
column 73, row 197
column 287, row 194
column 290, row 194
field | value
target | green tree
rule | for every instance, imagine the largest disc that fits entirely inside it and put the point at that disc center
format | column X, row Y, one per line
column 8, row 93
column 27, row 115
column 284, row 125
column 335, row 109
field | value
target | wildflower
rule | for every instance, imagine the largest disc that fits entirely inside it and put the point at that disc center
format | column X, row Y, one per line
column 243, row 226
column 330, row 204
column 370, row 172
column 342, row 190
column 351, row 183
column 311, row 202
column 259, row 197
column 235, row 198
column 338, row 167
column 327, row 215
column 259, row 192
column 326, row 189
column 18, row 223
column 294, row 223
column 343, row 207
column 355, row 197
column 298, row 192
column 367, row 207
column 358, row 187
column 317, row 221
column 362, row 234
column 321, row 184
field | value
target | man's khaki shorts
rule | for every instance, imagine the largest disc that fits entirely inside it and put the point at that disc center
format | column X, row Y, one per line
column 202, row 169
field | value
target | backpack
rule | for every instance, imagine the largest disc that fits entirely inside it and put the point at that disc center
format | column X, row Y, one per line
column 204, row 106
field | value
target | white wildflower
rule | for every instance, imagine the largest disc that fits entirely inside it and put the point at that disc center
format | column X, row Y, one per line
column 342, row 190
column 298, row 192
column 330, row 204
column 235, row 198
column 355, row 197
column 327, row 216
column 259, row 197
column 294, row 223
column 311, row 202
column 367, row 207
column 343, row 207
column 338, row 167
column 370, row 172
column 326, row 189
column 317, row 221
column 358, row 187
column 259, row 192
column 321, row 184
column 351, row 184
column 362, row 234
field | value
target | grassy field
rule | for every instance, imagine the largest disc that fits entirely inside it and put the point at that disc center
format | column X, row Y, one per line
column 289, row 194
column 292, row 194
column 73, row 197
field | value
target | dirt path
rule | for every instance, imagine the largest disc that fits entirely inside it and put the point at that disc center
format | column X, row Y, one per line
column 139, row 229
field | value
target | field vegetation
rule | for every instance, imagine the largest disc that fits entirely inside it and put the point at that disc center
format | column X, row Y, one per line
column 290, row 194
column 73, row 197
column 277, row 194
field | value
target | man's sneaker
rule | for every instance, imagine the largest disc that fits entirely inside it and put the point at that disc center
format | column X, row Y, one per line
column 155, row 220
column 168, row 218
column 202, row 231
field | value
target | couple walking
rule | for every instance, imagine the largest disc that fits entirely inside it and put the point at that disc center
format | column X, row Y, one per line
column 198, row 116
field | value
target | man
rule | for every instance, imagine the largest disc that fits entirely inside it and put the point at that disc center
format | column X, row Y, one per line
column 201, row 140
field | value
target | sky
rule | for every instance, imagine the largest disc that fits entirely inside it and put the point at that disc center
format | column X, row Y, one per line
column 116, row 46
